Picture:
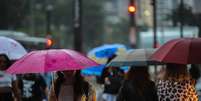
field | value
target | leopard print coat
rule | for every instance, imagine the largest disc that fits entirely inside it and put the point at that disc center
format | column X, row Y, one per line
column 168, row 90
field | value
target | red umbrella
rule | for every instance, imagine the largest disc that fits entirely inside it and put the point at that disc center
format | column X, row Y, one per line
column 180, row 51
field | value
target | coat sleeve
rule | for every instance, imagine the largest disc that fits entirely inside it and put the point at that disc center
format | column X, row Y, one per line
column 154, row 92
column 121, row 94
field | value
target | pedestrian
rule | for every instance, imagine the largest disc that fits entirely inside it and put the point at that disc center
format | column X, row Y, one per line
column 195, row 72
column 138, row 86
column 8, row 83
column 177, row 84
column 112, row 80
column 71, row 86
column 33, row 87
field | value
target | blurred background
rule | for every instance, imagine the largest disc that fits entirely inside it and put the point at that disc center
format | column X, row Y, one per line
column 84, row 24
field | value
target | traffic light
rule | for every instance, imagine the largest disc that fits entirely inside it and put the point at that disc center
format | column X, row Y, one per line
column 131, row 9
column 132, row 12
column 49, row 42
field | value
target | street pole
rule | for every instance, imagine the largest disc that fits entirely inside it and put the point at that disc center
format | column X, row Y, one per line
column 49, row 9
column 154, row 4
column 48, row 19
column 77, row 25
column 132, row 33
column 32, row 20
column 181, row 18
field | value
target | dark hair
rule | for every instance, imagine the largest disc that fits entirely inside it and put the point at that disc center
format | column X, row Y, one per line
column 176, row 71
column 139, row 77
column 195, row 72
column 138, row 73
column 80, row 85
column 8, row 62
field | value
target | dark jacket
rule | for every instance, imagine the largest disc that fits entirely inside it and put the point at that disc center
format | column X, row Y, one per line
column 115, row 78
column 130, row 92
column 115, row 85
column 32, row 88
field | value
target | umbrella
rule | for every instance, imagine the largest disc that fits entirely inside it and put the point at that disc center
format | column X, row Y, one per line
column 50, row 60
column 180, row 51
column 11, row 48
column 137, row 57
column 96, row 70
column 107, row 50
column 101, row 55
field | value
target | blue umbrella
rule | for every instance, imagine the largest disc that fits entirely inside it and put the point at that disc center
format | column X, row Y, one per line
column 97, row 70
column 107, row 50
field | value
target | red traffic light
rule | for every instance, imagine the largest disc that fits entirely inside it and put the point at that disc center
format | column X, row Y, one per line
column 49, row 42
column 131, row 9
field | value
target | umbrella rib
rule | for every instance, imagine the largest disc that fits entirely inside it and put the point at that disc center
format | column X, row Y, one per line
column 189, row 50
column 174, row 46
column 79, row 61
column 23, row 59
column 45, row 60
column 71, row 56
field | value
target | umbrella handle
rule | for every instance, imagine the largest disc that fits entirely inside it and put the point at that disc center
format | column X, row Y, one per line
column 52, row 86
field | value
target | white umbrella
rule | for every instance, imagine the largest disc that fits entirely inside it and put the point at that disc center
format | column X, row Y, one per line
column 13, row 49
column 136, row 57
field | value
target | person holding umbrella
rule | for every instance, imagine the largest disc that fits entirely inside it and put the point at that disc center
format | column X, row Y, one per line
column 71, row 86
column 8, row 83
column 111, row 78
column 138, row 86
column 176, row 84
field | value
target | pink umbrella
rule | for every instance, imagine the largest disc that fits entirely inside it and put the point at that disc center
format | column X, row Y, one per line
column 50, row 60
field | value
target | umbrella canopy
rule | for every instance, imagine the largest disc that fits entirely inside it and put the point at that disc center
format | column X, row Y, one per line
column 107, row 50
column 137, row 57
column 11, row 48
column 50, row 60
column 180, row 51
column 97, row 70
column 101, row 55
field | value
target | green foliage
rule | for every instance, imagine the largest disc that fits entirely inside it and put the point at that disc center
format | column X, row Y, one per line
column 93, row 21
column 120, row 32
column 11, row 13
column 189, row 18
column 182, row 13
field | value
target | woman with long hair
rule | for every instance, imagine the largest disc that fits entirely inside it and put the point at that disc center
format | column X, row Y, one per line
column 176, row 84
column 138, row 86
column 8, row 83
column 71, row 86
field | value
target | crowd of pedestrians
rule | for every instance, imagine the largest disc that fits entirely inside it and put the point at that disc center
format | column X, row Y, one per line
column 175, row 82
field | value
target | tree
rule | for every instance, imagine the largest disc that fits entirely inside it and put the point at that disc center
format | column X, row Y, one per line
column 120, row 31
column 189, row 18
column 11, row 13
column 92, row 21
column 187, row 14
